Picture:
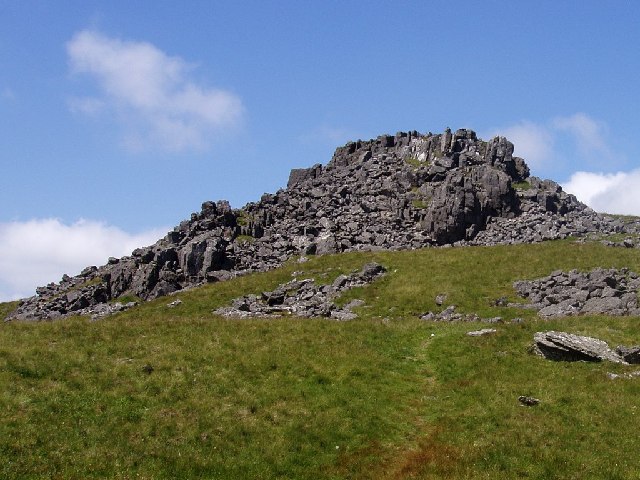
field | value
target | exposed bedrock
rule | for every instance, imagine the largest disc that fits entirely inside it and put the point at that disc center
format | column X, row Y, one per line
column 401, row 191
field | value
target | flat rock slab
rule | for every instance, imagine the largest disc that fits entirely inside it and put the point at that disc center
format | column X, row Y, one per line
column 571, row 348
column 481, row 333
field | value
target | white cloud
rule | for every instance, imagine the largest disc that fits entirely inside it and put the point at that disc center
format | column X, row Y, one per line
column 152, row 91
column 531, row 141
column 561, row 143
column 40, row 251
column 589, row 134
column 607, row 192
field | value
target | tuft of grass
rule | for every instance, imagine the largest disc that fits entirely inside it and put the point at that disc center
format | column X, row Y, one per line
column 7, row 307
column 245, row 239
column 156, row 392
column 524, row 185
column 419, row 203
column 625, row 218
column 126, row 299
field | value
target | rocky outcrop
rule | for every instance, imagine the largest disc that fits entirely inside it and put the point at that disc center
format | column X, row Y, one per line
column 304, row 298
column 569, row 347
column 598, row 292
column 449, row 314
column 404, row 191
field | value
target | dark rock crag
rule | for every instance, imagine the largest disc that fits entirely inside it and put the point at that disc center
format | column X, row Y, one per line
column 404, row 191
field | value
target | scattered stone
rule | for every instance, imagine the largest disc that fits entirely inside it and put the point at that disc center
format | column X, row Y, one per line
column 500, row 302
column 102, row 310
column 483, row 332
column 598, row 292
column 175, row 303
column 562, row 346
column 440, row 299
column 528, row 401
column 449, row 314
column 634, row 374
column 304, row 298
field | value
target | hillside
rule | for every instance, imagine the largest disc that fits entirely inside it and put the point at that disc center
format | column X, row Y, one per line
column 178, row 392
column 322, row 332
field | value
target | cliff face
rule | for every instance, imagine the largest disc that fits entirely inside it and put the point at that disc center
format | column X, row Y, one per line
column 393, row 192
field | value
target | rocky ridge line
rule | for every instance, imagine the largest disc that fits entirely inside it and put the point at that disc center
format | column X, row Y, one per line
column 394, row 192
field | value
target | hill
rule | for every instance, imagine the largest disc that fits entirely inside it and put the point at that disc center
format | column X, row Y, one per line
column 417, row 241
column 405, row 191
column 178, row 392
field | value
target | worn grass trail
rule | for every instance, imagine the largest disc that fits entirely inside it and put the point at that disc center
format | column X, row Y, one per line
column 179, row 393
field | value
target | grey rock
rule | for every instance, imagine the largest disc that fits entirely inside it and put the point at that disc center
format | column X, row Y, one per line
column 569, row 347
column 629, row 354
column 634, row 374
column 610, row 292
column 482, row 332
column 528, row 401
column 440, row 299
column 304, row 298
column 405, row 191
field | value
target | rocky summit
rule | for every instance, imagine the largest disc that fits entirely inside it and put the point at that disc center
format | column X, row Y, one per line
column 402, row 191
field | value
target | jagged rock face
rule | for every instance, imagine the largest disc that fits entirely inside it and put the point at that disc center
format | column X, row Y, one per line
column 394, row 192
column 402, row 191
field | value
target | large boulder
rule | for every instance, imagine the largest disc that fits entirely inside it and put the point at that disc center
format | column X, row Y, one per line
column 571, row 348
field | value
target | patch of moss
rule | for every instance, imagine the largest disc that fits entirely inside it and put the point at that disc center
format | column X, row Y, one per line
column 245, row 239
column 420, row 203
column 242, row 219
column 126, row 299
column 521, row 185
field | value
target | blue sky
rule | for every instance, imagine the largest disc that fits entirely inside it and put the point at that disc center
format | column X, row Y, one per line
column 118, row 119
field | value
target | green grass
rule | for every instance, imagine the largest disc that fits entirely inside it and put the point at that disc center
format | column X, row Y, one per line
column 415, row 162
column 245, row 239
column 6, row 308
column 419, row 203
column 385, row 396
column 625, row 218
column 522, row 185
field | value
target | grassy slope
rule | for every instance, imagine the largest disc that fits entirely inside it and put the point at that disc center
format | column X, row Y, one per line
column 385, row 396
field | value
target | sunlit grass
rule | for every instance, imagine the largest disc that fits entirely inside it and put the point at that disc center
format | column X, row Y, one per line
column 158, row 392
